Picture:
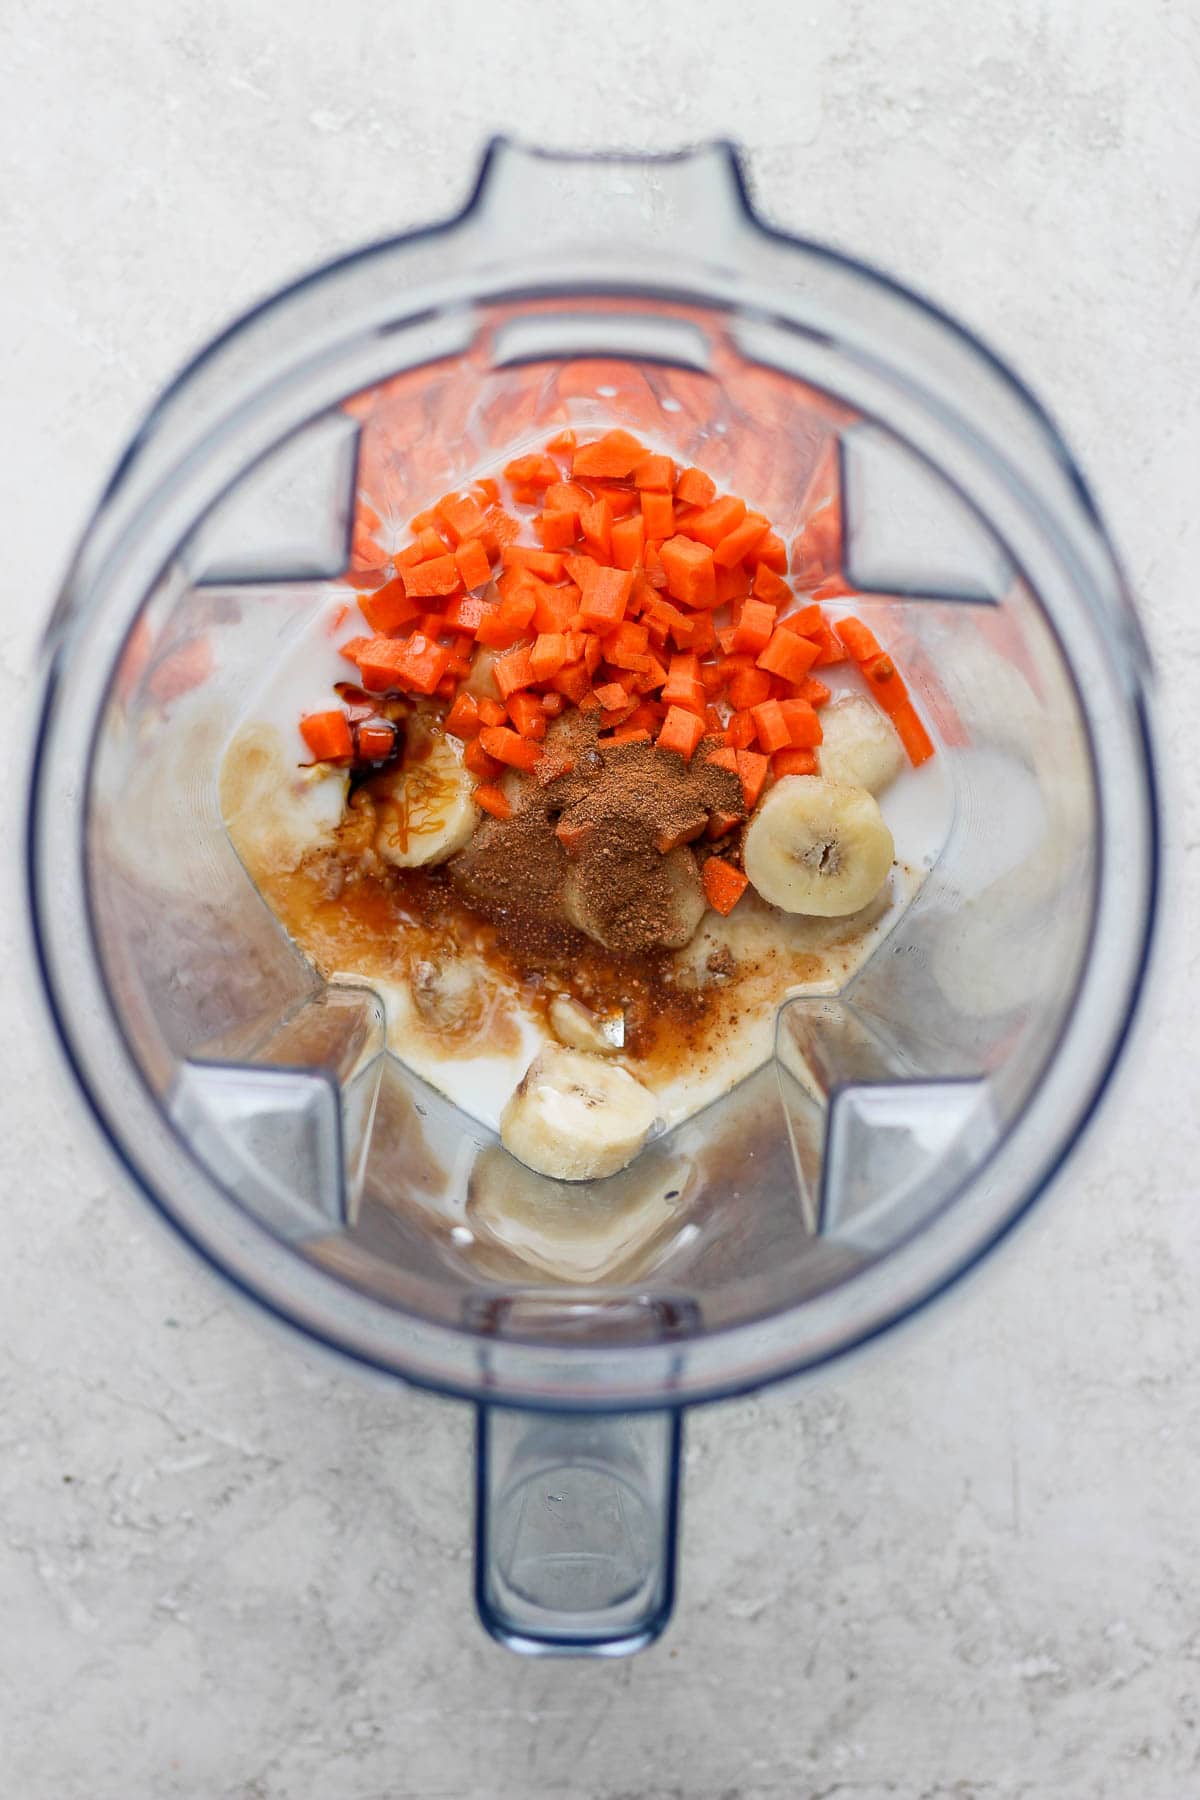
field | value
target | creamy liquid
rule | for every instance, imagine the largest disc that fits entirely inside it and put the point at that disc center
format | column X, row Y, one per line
column 276, row 813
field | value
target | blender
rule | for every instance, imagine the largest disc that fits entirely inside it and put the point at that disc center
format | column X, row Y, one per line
column 903, row 1120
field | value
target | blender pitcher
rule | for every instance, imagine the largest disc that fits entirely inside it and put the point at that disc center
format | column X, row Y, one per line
column 901, row 1124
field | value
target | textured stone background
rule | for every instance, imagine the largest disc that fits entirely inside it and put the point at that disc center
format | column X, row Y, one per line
column 963, row 1566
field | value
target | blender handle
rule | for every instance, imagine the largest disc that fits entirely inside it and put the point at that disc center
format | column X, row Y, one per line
column 576, row 1521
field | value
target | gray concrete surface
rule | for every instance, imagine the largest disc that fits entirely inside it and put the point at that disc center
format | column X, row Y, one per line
column 964, row 1566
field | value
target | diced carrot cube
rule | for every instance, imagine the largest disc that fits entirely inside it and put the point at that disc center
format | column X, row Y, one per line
column 353, row 648
column 465, row 612
column 427, row 544
column 740, row 732
column 806, row 621
column 327, row 735
column 513, row 671
column 611, row 695
column 732, row 584
column 681, row 731
column 533, row 471
column 493, row 800
column 794, row 762
column 756, row 622
column 771, row 726
column 573, row 682
column 691, row 577
column 477, row 761
column 421, row 664
column 462, row 721
column 695, row 488
column 563, row 441
column 508, row 747
column 723, row 884
column 772, row 551
column 546, row 564
column 715, row 522
column 630, row 734
column 492, row 712
column 788, row 656
column 525, row 711
column 739, row 543
column 771, row 587
column 548, row 654
column 829, row 647
column 388, row 608
column 725, row 758
column 627, row 538
column 557, row 530
column 749, row 687
column 859, row 640
column 752, row 770
column 437, row 576
column 553, row 705
column 605, row 597
column 655, row 472
column 473, row 566
column 377, row 664
column 461, row 515
column 596, row 523
column 656, row 575
column 611, row 457
column 658, row 513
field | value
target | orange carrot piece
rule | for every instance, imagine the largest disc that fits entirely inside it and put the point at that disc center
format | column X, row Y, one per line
column 788, row 656
column 611, row 695
column 695, row 488
column 656, row 473
column 525, row 711
column 492, row 712
column 547, row 564
column 770, row 586
column 474, row 569
column 439, row 575
column 596, row 523
column 628, row 536
column 814, row 691
column 509, row 747
column 805, row 622
column 421, row 663
column 534, row 471
column 513, row 671
column 548, row 654
column 752, row 769
column 860, row 641
column 680, row 731
column 772, row 551
column 388, row 608
column 460, row 515
column 462, row 721
column 771, row 726
column 327, row 735
column 794, row 762
column 611, row 457
column 715, row 522
column 573, row 682
column 740, row 542
column 493, row 800
column 740, row 732
column 605, row 597
column 465, row 613
column 562, row 441
column 803, row 726
column 658, row 512
column 477, row 762
column 691, row 577
column 723, row 884
column 756, row 622
column 557, row 530
column 630, row 734
column 829, row 647
column 749, row 687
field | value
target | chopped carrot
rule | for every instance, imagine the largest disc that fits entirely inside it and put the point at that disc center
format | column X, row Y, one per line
column 630, row 734
column 613, row 456
column 525, row 711
column 563, row 440
column 656, row 473
column 788, row 656
column 621, row 501
column 493, row 800
column 536, row 471
column 388, row 607
column 628, row 536
column 557, row 530
column 477, row 762
column 803, row 726
column 715, row 522
column 492, row 712
column 860, row 642
column 770, row 586
column 814, row 691
column 681, row 731
column 806, row 622
column 752, row 770
column 513, row 670
column 740, row 732
column 771, row 726
column 508, row 747
column 756, row 622
column 375, row 740
column 658, row 513
column 327, row 735
column 377, row 664
column 548, row 564
column 772, row 551
column 596, row 523
column 353, row 647
column 462, row 721
column 573, row 682
column 460, row 515
column 437, row 576
column 548, row 654
column 553, row 705
column 695, row 488
column 421, row 663
column 611, row 695
column 473, row 566
column 794, row 762
column 689, row 569
column 749, row 687
column 740, row 542
column 605, row 598
column 723, row 884
column 465, row 613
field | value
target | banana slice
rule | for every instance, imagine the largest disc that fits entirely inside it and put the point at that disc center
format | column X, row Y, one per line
column 814, row 846
column 582, row 1029
column 667, row 918
column 425, row 808
column 576, row 1117
column 860, row 747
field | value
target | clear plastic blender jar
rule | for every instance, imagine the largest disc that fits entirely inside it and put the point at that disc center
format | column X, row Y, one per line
column 901, row 1123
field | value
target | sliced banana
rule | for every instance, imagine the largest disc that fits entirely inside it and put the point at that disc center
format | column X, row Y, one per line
column 576, row 1117
column 666, row 917
column 860, row 747
column 425, row 807
column 815, row 846
column 583, row 1029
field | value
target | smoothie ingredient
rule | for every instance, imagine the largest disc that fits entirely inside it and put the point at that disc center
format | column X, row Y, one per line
column 860, row 748
column 576, row 1117
column 424, row 806
column 817, row 847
